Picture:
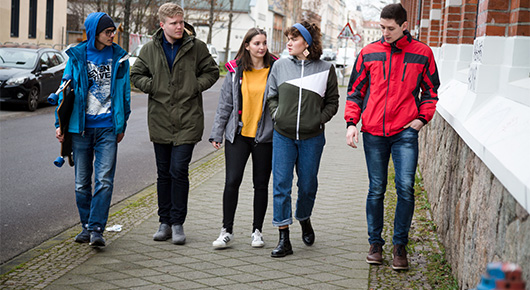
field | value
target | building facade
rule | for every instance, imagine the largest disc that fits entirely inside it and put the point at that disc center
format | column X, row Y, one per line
column 334, row 17
column 35, row 22
column 474, row 154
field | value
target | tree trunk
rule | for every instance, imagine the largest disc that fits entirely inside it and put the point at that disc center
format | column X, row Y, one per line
column 227, row 49
column 99, row 5
column 109, row 8
column 210, row 22
column 126, row 20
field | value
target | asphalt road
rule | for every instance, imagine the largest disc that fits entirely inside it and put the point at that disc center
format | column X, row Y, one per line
column 37, row 199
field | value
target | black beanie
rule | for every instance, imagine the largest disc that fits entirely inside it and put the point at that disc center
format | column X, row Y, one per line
column 104, row 22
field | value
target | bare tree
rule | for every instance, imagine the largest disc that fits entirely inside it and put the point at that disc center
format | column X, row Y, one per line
column 126, row 18
column 79, row 10
column 111, row 8
column 138, row 14
column 211, row 21
column 99, row 5
column 227, row 48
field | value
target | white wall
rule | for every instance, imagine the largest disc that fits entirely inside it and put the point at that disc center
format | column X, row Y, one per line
column 485, row 96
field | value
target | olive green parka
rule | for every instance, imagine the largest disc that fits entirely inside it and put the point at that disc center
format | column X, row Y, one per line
column 175, row 111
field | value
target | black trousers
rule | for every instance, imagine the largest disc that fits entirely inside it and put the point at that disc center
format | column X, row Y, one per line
column 236, row 156
column 173, row 184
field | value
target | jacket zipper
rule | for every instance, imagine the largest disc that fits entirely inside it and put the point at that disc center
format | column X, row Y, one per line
column 299, row 102
column 384, row 70
column 387, row 91
column 404, row 71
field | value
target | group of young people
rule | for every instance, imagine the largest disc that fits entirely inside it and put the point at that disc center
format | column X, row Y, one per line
column 273, row 109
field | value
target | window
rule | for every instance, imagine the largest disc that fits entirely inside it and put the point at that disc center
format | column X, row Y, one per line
column 49, row 19
column 59, row 57
column 32, row 30
column 44, row 60
column 53, row 60
column 15, row 13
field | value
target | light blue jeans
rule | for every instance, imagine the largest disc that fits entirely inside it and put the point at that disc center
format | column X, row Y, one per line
column 288, row 154
column 404, row 150
column 100, row 143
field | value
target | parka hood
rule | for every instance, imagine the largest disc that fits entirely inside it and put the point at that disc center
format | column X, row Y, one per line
column 91, row 24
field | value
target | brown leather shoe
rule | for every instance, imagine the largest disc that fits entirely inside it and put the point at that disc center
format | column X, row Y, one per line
column 400, row 261
column 375, row 255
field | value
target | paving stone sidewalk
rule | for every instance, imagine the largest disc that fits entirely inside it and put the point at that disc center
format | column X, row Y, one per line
column 132, row 260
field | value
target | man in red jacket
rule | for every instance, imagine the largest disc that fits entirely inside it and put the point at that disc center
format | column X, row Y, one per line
column 384, row 88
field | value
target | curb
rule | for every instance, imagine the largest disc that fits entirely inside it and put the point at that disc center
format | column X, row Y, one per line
column 197, row 175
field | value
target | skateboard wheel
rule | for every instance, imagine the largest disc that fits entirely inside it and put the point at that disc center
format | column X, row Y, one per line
column 53, row 98
column 59, row 161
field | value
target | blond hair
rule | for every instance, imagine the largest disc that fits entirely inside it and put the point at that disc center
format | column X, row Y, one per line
column 169, row 10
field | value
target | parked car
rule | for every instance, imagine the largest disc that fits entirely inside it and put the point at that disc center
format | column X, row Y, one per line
column 213, row 52
column 345, row 57
column 328, row 54
column 135, row 54
column 284, row 54
column 28, row 74
column 68, row 47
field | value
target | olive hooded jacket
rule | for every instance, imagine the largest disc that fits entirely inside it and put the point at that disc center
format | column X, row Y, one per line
column 175, row 111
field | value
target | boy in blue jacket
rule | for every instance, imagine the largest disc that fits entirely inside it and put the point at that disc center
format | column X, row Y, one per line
column 99, row 74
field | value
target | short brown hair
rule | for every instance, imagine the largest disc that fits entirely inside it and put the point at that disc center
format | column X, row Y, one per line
column 315, row 49
column 169, row 10
column 395, row 12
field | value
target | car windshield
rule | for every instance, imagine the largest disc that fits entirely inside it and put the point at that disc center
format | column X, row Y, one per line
column 18, row 58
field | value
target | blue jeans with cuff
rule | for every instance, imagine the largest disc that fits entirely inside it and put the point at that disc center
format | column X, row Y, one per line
column 288, row 154
column 95, row 151
column 403, row 147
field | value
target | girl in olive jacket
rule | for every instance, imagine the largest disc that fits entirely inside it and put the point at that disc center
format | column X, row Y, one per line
column 302, row 96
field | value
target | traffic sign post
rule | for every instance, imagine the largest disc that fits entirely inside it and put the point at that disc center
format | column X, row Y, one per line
column 347, row 33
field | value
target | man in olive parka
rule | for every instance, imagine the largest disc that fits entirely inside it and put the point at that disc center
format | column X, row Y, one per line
column 174, row 69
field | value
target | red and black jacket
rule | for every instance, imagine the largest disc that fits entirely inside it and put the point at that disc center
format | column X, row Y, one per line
column 385, row 86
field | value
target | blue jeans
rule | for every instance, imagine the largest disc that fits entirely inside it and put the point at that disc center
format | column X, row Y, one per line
column 305, row 156
column 404, row 150
column 173, row 184
column 100, row 143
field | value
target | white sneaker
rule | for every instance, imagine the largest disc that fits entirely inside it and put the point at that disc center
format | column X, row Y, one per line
column 257, row 239
column 224, row 239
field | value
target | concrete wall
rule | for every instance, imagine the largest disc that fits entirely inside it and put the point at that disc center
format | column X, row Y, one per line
column 478, row 220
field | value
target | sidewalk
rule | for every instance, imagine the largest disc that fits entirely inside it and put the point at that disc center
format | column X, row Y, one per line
column 133, row 260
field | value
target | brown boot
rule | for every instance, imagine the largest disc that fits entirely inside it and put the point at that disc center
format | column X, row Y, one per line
column 400, row 261
column 375, row 255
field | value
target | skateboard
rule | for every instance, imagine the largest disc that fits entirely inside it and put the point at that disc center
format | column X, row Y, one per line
column 64, row 111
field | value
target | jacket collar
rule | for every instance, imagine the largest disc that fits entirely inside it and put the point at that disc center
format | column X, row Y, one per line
column 232, row 65
column 399, row 44
column 299, row 62
column 78, row 52
column 159, row 36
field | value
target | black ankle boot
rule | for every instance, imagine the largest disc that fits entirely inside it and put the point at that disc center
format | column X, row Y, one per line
column 308, row 235
column 284, row 245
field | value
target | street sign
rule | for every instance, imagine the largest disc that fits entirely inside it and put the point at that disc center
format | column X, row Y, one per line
column 356, row 38
column 346, row 32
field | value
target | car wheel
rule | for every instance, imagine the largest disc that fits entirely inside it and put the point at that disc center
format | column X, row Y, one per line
column 33, row 99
